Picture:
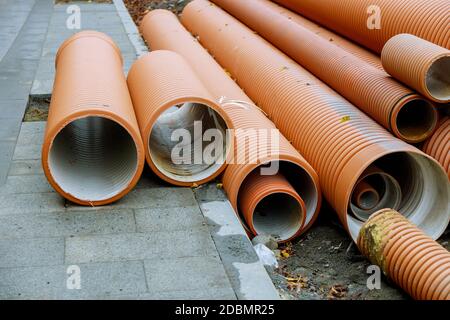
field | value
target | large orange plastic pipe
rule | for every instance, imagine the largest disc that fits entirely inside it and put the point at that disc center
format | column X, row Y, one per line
column 419, row 265
column 93, row 152
column 355, row 49
column 338, row 140
column 396, row 107
column 172, row 103
column 162, row 31
column 373, row 22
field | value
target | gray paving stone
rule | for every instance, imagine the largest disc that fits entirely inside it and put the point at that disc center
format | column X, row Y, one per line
column 26, row 167
column 191, row 273
column 25, row 184
column 6, row 153
column 12, row 109
column 97, row 280
column 94, row 16
column 168, row 219
column 9, row 129
column 138, row 246
column 67, row 224
column 31, row 252
column 52, row 202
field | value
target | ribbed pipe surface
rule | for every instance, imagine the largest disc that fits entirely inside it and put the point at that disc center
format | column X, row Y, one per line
column 93, row 152
column 162, row 31
column 357, row 20
column 438, row 146
column 270, row 205
column 396, row 107
column 171, row 104
column 420, row 64
column 338, row 140
column 414, row 261
column 353, row 48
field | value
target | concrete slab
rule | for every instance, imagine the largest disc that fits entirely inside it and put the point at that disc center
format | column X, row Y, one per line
column 191, row 273
column 26, row 252
column 96, row 280
column 24, row 29
column 139, row 246
column 102, row 17
column 67, row 224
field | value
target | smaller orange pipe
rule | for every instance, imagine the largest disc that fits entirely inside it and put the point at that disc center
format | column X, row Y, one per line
column 169, row 98
column 365, row 196
column 438, row 146
column 270, row 205
column 414, row 261
column 420, row 64
column 93, row 152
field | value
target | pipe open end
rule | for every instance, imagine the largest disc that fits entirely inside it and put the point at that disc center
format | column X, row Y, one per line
column 188, row 143
column 375, row 191
column 278, row 214
column 368, row 200
column 93, row 159
column 416, row 120
column 283, row 203
column 425, row 192
column 438, row 79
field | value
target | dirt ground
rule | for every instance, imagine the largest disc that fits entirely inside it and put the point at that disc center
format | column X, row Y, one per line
column 324, row 264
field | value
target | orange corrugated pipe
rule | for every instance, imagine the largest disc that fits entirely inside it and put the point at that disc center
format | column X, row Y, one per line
column 438, row 146
column 271, row 203
column 339, row 141
column 171, row 104
column 405, row 113
column 373, row 22
column 361, row 52
column 414, row 261
column 420, row 64
column 93, row 152
column 162, row 31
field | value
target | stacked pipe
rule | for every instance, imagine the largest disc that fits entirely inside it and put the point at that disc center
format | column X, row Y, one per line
column 408, row 115
column 420, row 64
column 438, row 146
column 406, row 255
column 172, row 104
column 339, row 141
column 372, row 23
column 92, row 152
column 362, row 53
column 247, row 183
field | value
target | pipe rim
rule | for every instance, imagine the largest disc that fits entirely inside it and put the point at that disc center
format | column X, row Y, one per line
column 427, row 120
column 174, row 179
column 440, row 66
column 102, row 114
column 436, row 187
